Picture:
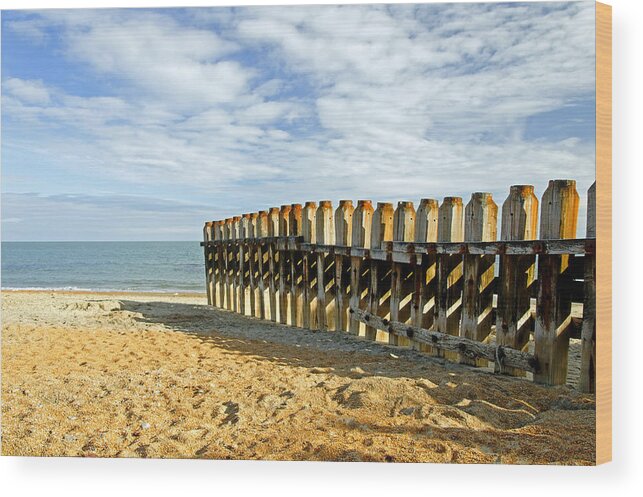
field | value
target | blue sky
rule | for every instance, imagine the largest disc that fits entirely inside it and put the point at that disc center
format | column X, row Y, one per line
column 140, row 124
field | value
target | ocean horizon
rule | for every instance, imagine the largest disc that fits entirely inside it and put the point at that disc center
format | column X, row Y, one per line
column 122, row 266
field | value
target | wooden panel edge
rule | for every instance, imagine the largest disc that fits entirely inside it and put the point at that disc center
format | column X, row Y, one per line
column 603, row 233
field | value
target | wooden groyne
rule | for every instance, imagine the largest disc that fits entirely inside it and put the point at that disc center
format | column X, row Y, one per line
column 438, row 278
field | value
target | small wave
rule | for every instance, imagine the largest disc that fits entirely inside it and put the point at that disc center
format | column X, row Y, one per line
column 103, row 290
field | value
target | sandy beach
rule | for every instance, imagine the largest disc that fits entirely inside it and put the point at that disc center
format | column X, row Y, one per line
column 153, row 375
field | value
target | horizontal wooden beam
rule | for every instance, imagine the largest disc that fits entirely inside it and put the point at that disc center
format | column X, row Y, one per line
column 400, row 251
column 470, row 348
column 520, row 247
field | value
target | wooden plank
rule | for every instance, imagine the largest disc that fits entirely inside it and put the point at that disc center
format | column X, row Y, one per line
column 603, row 233
column 325, row 232
column 296, row 268
column 273, row 230
column 284, row 264
column 308, row 231
column 558, row 219
column 343, row 236
column 514, row 322
column 403, row 231
column 228, row 263
column 425, row 284
column 578, row 246
column 454, row 344
column 209, row 265
column 587, row 382
column 361, row 237
column 449, row 270
column 481, row 224
column 381, row 231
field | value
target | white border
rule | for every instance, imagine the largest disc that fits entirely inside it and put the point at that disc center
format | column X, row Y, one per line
column 116, row 477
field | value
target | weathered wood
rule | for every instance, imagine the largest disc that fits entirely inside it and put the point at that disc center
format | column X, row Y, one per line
column 284, row 264
column 447, row 342
column 381, row 231
column 209, row 263
column 481, row 224
column 325, row 234
column 343, row 237
column 403, row 231
column 296, row 277
column 449, row 269
column 514, row 321
column 361, row 237
column 425, row 284
column 262, row 232
column 308, row 231
column 227, row 231
column 273, row 230
column 220, row 269
column 559, row 215
column 587, row 382
column 252, row 264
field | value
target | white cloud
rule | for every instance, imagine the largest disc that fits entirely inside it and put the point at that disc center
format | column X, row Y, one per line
column 386, row 102
column 29, row 92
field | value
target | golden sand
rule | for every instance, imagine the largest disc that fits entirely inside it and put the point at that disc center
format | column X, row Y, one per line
column 144, row 375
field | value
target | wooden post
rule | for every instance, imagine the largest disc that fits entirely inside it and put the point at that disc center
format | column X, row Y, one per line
column 517, row 272
column 236, row 264
column 262, row 232
column 558, row 218
column 296, row 279
column 450, row 229
column 308, row 232
column 381, row 231
column 402, row 276
column 227, row 231
column 284, row 265
column 343, row 236
column 325, row 231
column 360, row 237
column 587, row 382
column 252, row 263
column 425, row 285
column 219, row 235
column 247, row 234
column 208, row 252
column 244, row 284
column 273, row 231
column 480, row 225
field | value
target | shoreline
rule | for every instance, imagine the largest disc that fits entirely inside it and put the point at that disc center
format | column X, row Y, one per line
column 145, row 293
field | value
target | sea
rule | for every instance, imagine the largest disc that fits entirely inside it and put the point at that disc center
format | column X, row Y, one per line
column 167, row 267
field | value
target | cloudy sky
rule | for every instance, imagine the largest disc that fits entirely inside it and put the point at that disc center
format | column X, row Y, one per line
column 142, row 124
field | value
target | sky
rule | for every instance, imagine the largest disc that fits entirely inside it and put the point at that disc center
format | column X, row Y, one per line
column 142, row 124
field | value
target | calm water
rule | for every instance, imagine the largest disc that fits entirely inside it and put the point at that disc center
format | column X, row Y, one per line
column 127, row 266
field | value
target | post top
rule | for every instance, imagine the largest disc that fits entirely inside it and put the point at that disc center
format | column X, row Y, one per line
column 364, row 203
column 452, row 200
column 295, row 206
column 228, row 220
column 285, row 207
column 562, row 182
column 263, row 213
column 481, row 196
column 209, row 223
column 428, row 202
column 246, row 216
column 236, row 218
column 325, row 204
column 384, row 205
column 405, row 203
column 254, row 215
column 521, row 189
column 273, row 210
column 345, row 203
column 310, row 204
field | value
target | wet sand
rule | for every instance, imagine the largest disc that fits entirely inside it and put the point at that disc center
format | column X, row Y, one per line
column 153, row 375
